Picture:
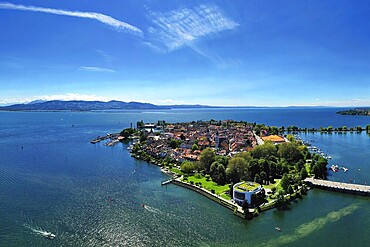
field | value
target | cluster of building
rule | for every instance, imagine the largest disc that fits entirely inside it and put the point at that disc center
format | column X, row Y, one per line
column 184, row 141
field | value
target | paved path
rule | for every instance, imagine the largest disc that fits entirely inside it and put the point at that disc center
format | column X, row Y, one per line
column 258, row 139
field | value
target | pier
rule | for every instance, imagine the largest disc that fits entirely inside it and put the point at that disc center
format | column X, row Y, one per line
column 113, row 137
column 358, row 189
column 166, row 182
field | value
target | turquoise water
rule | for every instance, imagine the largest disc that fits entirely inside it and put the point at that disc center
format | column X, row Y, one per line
column 91, row 195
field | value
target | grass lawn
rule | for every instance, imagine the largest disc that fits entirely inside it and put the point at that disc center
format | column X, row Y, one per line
column 276, row 184
column 308, row 169
column 209, row 185
column 225, row 196
column 176, row 170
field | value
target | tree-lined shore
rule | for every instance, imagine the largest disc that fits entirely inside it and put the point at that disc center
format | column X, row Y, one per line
column 281, row 168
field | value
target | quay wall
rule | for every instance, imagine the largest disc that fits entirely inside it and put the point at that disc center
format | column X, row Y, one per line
column 213, row 197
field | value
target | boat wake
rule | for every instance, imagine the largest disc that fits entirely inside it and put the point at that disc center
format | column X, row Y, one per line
column 153, row 210
column 41, row 232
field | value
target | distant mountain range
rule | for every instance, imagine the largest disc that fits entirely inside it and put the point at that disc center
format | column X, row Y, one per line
column 79, row 105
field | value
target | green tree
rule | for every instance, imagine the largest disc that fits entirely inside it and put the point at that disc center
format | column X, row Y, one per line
column 213, row 170
column 319, row 168
column 207, row 157
column 280, row 196
column 257, row 179
column 316, row 171
column 290, row 138
column 187, row 167
column 194, row 147
column 174, row 144
column 303, row 174
column 265, row 151
column 140, row 124
column 264, row 177
column 290, row 190
column 237, row 169
column 257, row 130
column 290, row 152
column 245, row 155
column 221, row 175
column 273, row 190
column 127, row 132
column 222, row 160
column 285, row 182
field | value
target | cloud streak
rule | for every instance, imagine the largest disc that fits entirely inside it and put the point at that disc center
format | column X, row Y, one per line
column 72, row 96
column 178, row 28
column 65, row 97
column 96, row 69
column 108, row 20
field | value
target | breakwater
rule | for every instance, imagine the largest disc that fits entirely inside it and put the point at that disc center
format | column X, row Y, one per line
column 357, row 189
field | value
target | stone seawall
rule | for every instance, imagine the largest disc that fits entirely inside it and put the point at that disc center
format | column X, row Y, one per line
column 216, row 198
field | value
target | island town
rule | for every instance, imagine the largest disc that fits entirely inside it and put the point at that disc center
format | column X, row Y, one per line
column 246, row 167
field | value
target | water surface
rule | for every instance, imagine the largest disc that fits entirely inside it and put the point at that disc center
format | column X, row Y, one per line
column 52, row 178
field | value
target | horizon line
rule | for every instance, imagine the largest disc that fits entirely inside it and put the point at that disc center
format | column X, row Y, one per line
column 3, row 104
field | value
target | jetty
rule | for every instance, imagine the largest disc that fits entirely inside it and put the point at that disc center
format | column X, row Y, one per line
column 358, row 189
column 112, row 136
column 166, row 182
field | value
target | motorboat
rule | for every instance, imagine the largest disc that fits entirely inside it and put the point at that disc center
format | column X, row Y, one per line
column 48, row 235
column 277, row 228
column 334, row 168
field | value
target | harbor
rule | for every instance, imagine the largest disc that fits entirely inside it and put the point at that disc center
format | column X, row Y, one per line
column 311, row 148
column 113, row 137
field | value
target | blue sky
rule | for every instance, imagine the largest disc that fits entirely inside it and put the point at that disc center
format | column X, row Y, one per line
column 246, row 52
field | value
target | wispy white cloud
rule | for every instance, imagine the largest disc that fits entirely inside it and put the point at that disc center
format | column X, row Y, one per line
column 96, row 69
column 351, row 102
column 12, row 101
column 72, row 96
column 182, row 27
column 117, row 24
column 105, row 55
column 168, row 101
column 65, row 97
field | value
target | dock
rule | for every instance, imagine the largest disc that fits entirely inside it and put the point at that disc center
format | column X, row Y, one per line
column 166, row 182
column 113, row 137
column 358, row 189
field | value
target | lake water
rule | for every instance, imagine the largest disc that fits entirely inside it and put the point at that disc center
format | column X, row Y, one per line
column 52, row 178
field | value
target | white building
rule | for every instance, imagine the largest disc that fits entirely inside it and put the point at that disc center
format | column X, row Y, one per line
column 243, row 191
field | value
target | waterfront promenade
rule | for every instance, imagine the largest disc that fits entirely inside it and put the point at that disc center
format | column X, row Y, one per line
column 339, row 186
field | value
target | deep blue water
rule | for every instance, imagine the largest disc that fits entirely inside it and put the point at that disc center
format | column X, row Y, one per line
column 52, row 178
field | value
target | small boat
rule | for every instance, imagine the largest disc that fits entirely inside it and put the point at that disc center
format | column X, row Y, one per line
column 345, row 169
column 48, row 235
column 277, row 228
column 334, row 168
column 143, row 205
